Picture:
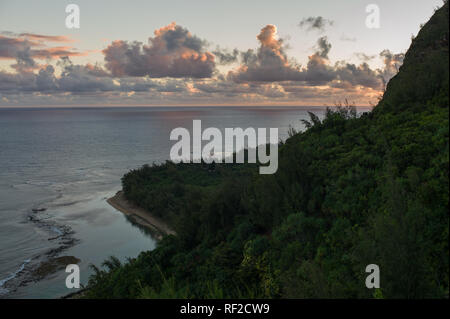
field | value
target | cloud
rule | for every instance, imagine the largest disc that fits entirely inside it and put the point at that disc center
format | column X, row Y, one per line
column 38, row 37
column 347, row 38
column 364, row 57
column 73, row 78
column 271, row 64
column 26, row 47
column 225, row 56
column 35, row 46
column 9, row 47
column 176, row 67
column 324, row 47
column 172, row 52
column 315, row 23
column 392, row 63
column 49, row 38
column 350, row 75
column 80, row 80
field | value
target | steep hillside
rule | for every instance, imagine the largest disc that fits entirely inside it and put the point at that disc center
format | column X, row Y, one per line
column 350, row 191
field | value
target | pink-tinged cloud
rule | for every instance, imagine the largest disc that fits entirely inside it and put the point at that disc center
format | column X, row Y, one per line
column 56, row 52
column 269, row 63
column 46, row 38
column 176, row 65
column 26, row 47
column 172, row 52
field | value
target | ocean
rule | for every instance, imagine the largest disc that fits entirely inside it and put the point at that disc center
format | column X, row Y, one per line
column 64, row 163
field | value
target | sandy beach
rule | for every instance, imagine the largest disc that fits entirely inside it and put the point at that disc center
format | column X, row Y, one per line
column 140, row 215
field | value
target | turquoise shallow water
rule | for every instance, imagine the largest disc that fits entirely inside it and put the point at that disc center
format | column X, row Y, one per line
column 69, row 160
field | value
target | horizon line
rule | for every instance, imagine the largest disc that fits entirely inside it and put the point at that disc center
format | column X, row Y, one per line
column 165, row 105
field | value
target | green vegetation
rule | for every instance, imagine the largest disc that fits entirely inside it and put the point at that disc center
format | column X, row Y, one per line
column 350, row 191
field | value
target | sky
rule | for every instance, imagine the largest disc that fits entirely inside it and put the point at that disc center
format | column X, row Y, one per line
column 203, row 52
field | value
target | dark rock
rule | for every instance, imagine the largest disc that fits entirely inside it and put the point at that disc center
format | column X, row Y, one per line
column 51, row 266
column 37, row 210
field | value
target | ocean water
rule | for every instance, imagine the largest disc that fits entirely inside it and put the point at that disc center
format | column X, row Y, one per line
column 68, row 161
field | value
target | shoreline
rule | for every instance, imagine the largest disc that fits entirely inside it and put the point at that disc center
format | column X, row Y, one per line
column 144, row 218
column 140, row 215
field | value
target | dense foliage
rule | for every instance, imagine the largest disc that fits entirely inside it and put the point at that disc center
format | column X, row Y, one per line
column 350, row 191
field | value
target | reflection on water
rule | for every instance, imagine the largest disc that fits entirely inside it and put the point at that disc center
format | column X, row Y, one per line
column 145, row 230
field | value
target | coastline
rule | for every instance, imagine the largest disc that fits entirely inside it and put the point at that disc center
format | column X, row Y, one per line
column 155, row 225
column 140, row 215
